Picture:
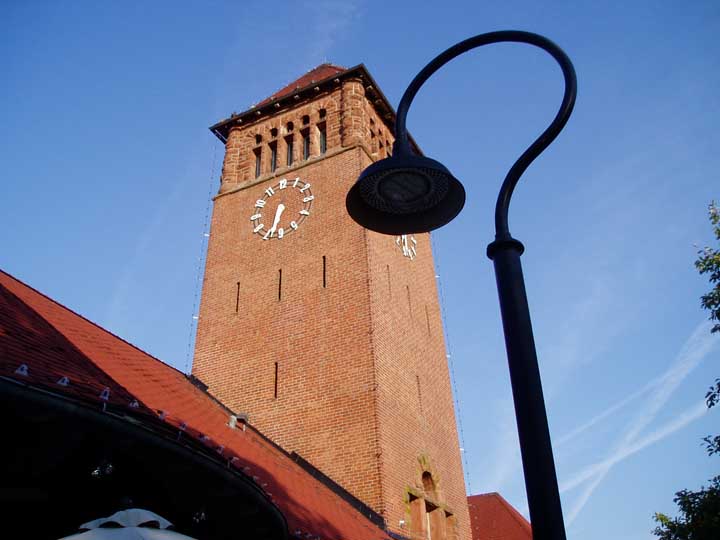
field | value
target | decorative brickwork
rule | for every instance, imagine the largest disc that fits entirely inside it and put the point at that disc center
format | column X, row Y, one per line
column 330, row 339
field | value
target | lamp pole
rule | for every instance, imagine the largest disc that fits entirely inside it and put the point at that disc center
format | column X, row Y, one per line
column 410, row 193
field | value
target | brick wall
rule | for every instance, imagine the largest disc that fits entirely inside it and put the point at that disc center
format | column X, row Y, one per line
column 358, row 356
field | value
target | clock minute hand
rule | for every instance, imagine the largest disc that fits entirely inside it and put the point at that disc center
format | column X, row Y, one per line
column 278, row 213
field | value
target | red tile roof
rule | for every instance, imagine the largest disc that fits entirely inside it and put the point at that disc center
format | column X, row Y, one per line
column 319, row 73
column 493, row 518
column 52, row 342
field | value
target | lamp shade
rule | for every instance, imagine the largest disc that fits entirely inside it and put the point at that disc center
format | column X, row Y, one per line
column 405, row 194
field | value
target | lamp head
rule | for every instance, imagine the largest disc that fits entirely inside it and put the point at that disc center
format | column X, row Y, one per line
column 404, row 194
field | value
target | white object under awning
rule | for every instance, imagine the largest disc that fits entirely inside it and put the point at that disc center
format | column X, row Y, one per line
column 131, row 524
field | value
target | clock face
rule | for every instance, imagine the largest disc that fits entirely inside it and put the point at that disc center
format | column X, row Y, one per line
column 282, row 209
column 408, row 245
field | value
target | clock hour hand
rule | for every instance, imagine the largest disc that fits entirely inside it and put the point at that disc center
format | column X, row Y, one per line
column 278, row 213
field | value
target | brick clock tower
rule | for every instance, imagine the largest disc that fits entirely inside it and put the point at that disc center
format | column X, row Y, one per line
column 329, row 336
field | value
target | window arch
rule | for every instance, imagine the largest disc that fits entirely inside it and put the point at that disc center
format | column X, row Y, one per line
column 429, row 484
column 429, row 516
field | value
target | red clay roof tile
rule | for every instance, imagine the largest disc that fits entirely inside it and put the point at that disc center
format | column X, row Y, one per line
column 493, row 518
column 319, row 73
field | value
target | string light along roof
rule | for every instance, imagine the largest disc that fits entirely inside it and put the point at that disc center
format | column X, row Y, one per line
column 47, row 346
column 493, row 518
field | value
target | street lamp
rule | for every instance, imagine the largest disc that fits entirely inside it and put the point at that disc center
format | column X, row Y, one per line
column 408, row 193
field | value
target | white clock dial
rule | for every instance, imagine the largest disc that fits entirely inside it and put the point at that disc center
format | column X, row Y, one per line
column 408, row 245
column 282, row 209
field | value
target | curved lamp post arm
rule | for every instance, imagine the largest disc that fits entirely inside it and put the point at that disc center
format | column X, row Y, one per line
column 402, row 144
column 535, row 445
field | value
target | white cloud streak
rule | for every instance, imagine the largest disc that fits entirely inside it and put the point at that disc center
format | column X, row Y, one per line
column 606, row 413
column 696, row 348
column 597, row 472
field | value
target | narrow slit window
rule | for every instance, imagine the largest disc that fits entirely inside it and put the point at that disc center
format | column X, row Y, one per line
column 419, row 392
column 275, row 389
column 289, row 148
column 322, row 132
column 279, row 284
column 258, row 162
column 407, row 288
column 306, row 143
column 427, row 319
column 324, row 272
column 237, row 298
column 273, row 156
column 387, row 271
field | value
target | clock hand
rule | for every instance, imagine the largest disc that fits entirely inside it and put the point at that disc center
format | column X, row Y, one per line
column 278, row 213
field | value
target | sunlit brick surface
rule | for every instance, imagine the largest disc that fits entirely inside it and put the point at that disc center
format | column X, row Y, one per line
column 363, row 390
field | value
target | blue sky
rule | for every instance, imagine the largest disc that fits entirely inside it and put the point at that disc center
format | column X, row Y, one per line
column 107, row 167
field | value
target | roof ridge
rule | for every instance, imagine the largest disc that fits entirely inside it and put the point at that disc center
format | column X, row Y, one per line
column 63, row 306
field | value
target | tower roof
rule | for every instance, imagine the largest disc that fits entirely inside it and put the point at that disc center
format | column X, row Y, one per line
column 316, row 74
column 322, row 78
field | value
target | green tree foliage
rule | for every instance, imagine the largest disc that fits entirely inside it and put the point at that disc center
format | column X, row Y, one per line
column 712, row 444
column 699, row 517
column 708, row 262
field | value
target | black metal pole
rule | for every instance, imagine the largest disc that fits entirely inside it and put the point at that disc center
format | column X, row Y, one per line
column 537, row 456
column 535, row 447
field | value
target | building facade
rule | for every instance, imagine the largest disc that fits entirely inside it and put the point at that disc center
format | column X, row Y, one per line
column 329, row 336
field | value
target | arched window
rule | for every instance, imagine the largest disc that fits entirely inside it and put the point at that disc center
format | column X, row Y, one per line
column 305, row 133
column 258, row 161
column 322, row 137
column 428, row 484
column 289, row 140
column 273, row 156
column 429, row 518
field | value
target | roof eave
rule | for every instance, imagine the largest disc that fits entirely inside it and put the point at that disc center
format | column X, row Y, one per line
column 380, row 102
column 222, row 128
